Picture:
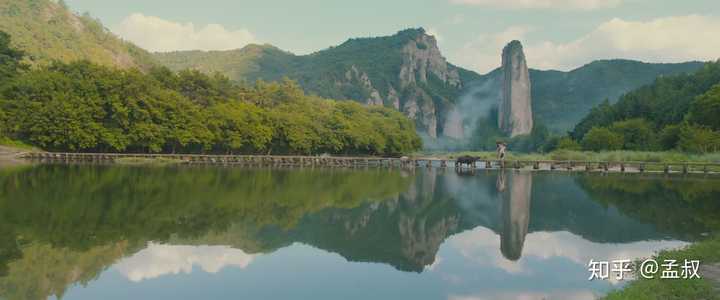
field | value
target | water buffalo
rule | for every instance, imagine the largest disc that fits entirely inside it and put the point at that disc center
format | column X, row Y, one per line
column 466, row 161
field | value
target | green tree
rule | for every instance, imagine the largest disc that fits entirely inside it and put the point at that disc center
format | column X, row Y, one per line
column 601, row 138
column 602, row 115
column 567, row 143
column 669, row 137
column 10, row 59
column 705, row 110
column 637, row 134
column 240, row 126
column 699, row 139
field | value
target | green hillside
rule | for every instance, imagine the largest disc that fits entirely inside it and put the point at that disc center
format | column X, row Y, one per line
column 405, row 71
column 674, row 112
column 49, row 31
column 562, row 99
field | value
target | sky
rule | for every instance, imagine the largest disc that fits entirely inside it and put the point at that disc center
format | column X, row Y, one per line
column 556, row 34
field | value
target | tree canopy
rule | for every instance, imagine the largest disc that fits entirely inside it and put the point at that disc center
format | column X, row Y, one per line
column 82, row 106
column 683, row 109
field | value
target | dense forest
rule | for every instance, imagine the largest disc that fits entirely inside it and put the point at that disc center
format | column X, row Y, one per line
column 48, row 30
column 82, row 106
column 673, row 113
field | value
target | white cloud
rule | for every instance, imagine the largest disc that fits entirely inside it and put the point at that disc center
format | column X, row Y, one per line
column 481, row 245
column 483, row 54
column 669, row 39
column 542, row 4
column 160, row 35
column 158, row 260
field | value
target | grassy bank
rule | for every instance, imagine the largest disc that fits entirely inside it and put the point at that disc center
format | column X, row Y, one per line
column 613, row 156
column 708, row 252
column 158, row 161
column 17, row 145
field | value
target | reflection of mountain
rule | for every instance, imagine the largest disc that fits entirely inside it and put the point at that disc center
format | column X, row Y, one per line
column 85, row 213
column 515, row 214
column 406, row 232
column 69, row 214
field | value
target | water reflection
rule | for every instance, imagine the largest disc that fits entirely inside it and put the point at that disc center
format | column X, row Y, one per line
column 515, row 213
column 484, row 235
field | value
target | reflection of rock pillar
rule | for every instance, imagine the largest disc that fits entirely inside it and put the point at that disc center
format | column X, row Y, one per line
column 515, row 215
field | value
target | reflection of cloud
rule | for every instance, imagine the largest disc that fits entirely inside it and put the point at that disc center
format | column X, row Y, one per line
column 434, row 265
column 482, row 246
column 158, row 260
column 568, row 295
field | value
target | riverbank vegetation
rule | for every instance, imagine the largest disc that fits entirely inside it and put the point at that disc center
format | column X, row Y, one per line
column 674, row 113
column 83, row 107
column 610, row 156
column 708, row 252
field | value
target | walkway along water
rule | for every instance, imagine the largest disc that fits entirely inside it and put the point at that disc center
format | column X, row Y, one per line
column 405, row 162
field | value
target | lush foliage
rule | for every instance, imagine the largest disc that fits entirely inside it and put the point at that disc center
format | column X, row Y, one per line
column 658, row 289
column 61, row 225
column 353, row 70
column 676, row 112
column 86, row 107
column 49, row 31
column 562, row 99
column 602, row 139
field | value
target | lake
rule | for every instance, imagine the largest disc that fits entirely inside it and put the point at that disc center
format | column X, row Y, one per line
column 126, row 232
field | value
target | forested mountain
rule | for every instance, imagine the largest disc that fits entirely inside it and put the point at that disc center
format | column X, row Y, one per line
column 684, row 109
column 85, row 107
column 407, row 71
column 47, row 30
column 562, row 99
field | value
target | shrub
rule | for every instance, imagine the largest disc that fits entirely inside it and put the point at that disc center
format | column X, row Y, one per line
column 601, row 138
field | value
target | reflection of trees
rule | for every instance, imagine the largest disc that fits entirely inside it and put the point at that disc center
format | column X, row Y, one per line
column 74, row 210
column 44, row 270
column 95, row 215
column 682, row 207
column 515, row 214
column 405, row 231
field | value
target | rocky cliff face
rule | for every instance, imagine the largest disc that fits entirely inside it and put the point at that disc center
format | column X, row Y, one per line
column 515, row 109
column 405, row 71
column 410, row 92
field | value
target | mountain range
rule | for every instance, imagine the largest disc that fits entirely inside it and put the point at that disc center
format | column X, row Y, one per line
column 406, row 71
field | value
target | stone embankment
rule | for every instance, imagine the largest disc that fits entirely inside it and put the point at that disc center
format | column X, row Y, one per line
column 403, row 162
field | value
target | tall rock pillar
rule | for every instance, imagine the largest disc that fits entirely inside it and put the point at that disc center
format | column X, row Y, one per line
column 515, row 109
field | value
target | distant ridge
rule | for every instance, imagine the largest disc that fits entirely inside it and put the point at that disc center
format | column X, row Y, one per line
column 47, row 30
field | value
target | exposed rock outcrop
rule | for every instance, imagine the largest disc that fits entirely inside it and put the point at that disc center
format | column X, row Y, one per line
column 422, row 66
column 422, row 57
column 419, row 106
column 515, row 108
column 355, row 76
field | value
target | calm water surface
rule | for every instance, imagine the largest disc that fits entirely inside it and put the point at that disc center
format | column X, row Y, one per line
column 99, row 232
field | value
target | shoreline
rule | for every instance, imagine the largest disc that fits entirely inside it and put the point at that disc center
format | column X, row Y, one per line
column 624, row 167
